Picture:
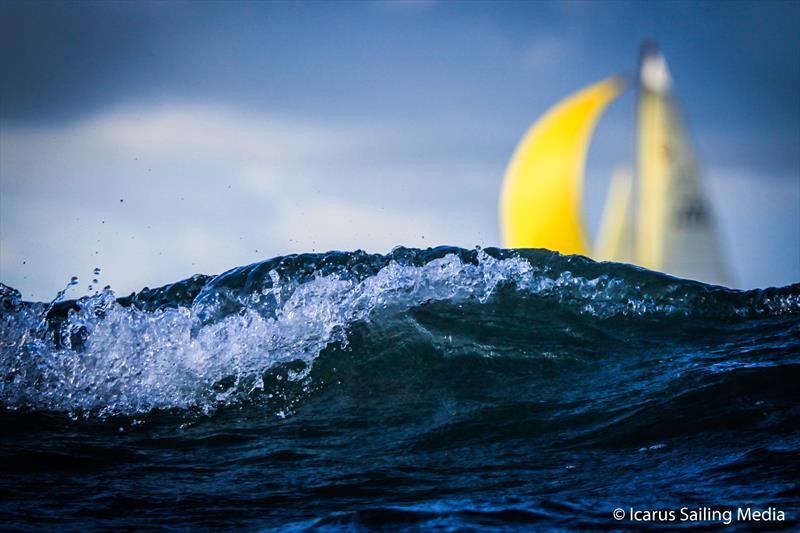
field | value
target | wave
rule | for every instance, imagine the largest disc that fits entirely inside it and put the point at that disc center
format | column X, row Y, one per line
column 273, row 332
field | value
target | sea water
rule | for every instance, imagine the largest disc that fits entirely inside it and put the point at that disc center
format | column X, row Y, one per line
column 423, row 389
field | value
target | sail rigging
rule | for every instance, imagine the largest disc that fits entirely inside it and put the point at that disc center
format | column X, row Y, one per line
column 660, row 218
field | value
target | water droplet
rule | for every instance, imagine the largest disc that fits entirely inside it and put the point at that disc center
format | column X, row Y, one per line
column 97, row 271
column 95, row 281
column 91, row 287
column 121, row 200
column 73, row 280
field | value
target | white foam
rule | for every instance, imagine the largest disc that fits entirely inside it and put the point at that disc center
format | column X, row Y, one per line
column 134, row 361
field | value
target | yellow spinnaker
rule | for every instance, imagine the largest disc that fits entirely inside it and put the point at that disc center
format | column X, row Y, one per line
column 541, row 201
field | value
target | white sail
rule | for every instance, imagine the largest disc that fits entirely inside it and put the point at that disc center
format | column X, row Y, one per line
column 677, row 232
column 615, row 236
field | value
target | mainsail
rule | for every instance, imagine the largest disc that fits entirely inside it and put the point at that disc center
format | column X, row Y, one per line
column 670, row 228
column 676, row 228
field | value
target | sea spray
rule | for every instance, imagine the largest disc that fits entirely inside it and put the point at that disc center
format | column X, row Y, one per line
column 110, row 358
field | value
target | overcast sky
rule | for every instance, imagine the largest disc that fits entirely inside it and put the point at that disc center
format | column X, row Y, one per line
column 157, row 140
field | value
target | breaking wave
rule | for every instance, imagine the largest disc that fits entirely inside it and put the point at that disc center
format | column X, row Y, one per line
column 209, row 341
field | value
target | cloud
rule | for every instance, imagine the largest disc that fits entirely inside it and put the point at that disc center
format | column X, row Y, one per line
column 155, row 194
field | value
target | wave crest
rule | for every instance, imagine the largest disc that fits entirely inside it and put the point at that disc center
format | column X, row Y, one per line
column 210, row 341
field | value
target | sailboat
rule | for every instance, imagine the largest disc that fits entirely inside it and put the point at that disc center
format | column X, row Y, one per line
column 658, row 216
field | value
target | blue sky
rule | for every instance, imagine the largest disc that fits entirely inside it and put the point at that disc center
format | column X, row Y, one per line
column 233, row 132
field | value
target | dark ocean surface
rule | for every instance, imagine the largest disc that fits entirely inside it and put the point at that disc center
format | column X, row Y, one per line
column 441, row 389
